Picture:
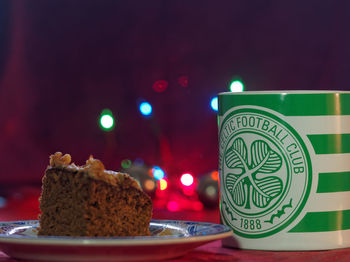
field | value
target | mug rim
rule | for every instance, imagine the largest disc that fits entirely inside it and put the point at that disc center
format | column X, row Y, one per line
column 285, row 92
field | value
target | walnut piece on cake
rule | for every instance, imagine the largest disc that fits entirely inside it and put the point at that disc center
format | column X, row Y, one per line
column 58, row 159
column 91, row 201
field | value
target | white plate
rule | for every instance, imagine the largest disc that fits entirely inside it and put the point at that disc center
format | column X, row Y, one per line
column 169, row 238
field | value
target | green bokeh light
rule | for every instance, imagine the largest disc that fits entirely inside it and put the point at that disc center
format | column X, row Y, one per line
column 126, row 163
column 107, row 121
column 236, row 86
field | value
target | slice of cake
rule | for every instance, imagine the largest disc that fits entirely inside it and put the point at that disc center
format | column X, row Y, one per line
column 91, row 201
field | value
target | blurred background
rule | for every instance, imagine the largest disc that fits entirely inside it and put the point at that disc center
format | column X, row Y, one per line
column 134, row 84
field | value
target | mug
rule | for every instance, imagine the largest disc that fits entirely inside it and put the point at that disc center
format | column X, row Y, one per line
column 284, row 168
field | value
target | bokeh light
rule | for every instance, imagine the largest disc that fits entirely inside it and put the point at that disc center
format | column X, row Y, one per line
column 126, row 163
column 162, row 184
column 145, row 108
column 183, row 81
column 2, row 202
column 214, row 103
column 173, row 206
column 157, row 172
column 214, row 175
column 211, row 191
column 107, row 120
column 187, row 179
column 160, row 85
column 149, row 185
column 198, row 206
column 236, row 86
column 139, row 162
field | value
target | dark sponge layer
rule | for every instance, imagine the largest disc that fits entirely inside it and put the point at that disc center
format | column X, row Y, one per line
column 74, row 203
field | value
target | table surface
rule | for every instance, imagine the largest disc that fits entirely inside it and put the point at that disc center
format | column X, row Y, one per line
column 215, row 252
column 25, row 207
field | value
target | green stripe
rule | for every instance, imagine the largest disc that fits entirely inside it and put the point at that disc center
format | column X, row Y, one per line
column 333, row 182
column 290, row 104
column 330, row 143
column 324, row 221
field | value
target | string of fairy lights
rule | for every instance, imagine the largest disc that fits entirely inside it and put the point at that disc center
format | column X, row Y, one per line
column 196, row 193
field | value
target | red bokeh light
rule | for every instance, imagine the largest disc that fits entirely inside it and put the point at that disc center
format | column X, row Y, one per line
column 173, row 206
column 198, row 206
column 183, row 81
column 160, row 85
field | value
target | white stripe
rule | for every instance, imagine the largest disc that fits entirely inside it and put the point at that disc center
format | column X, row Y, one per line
column 328, row 202
column 320, row 124
column 340, row 163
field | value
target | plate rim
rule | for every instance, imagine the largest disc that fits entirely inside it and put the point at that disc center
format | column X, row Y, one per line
column 115, row 241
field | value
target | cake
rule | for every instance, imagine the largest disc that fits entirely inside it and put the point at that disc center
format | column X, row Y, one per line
column 91, row 201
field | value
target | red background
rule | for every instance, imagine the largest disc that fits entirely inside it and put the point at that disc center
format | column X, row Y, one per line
column 62, row 62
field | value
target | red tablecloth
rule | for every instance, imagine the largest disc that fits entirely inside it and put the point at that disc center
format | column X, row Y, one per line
column 214, row 252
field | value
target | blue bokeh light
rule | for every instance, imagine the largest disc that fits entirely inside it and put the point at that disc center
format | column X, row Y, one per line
column 145, row 108
column 214, row 103
column 158, row 173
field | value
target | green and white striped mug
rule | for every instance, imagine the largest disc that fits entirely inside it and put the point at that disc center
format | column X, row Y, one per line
column 284, row 164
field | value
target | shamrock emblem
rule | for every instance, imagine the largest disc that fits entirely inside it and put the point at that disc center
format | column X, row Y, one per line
column 242, row 181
